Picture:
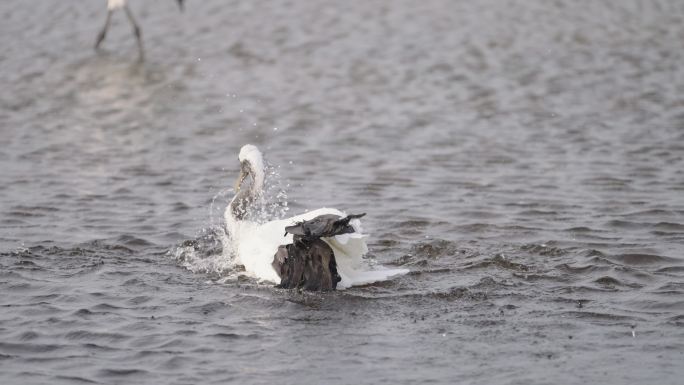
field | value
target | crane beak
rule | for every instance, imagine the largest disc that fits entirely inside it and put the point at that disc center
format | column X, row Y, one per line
column 244, row 172
column 180, row 5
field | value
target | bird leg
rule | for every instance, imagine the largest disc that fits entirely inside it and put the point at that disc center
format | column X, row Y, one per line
column 103, row 33
column 136, row 30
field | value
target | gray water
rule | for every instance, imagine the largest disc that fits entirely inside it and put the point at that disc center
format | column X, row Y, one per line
column 524, row 159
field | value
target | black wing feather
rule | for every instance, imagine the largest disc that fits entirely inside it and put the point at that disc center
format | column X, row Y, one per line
column 326, row 225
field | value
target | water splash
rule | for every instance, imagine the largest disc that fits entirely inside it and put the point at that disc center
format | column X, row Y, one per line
column 212, row 251
column 205, row 254
column 273, row 203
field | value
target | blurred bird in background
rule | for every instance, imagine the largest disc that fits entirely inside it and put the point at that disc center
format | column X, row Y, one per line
column 113, row 5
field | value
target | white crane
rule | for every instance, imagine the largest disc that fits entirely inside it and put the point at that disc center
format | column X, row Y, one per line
column 255, row 244
column 113, row 5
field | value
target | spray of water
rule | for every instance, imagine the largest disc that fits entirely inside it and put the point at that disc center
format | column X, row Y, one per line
column 211, row 252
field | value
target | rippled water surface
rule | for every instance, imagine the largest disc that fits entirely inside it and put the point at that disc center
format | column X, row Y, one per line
column 524, row 159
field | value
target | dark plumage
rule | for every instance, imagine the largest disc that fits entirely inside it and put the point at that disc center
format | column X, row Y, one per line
column 309, row 262
column 327, row 225
column 306, row 264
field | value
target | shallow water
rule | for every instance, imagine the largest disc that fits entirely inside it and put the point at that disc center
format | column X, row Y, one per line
column 524, row 159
